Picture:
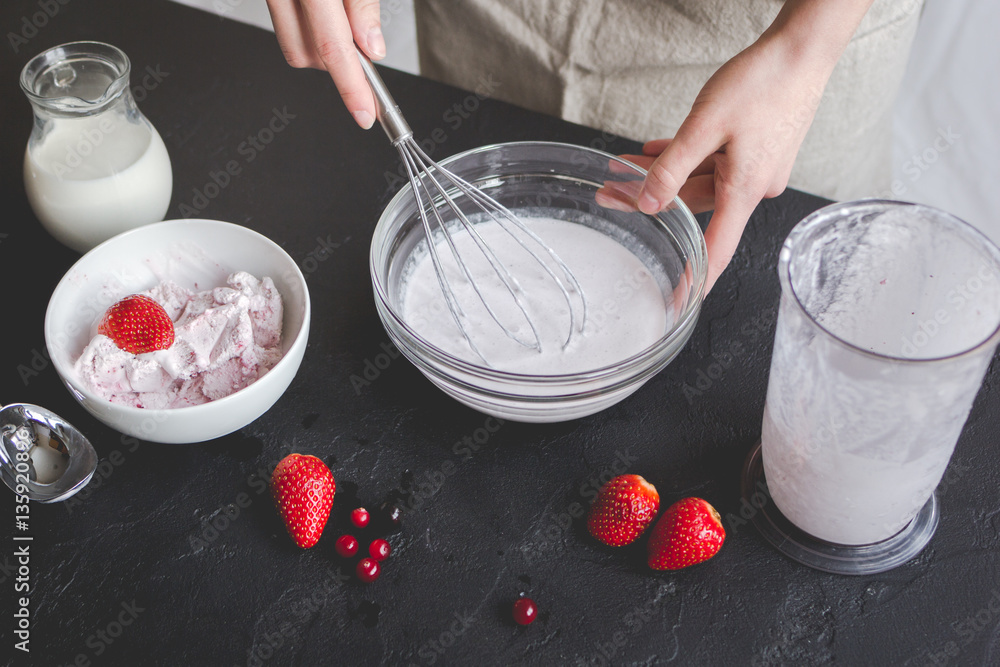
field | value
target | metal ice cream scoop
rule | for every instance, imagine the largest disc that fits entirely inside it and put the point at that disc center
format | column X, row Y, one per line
column 43, row 456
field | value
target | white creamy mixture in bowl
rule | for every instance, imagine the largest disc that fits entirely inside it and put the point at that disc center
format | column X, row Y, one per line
column 643, row 278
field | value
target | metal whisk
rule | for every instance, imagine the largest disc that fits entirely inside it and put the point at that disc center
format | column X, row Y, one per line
column 435, row 190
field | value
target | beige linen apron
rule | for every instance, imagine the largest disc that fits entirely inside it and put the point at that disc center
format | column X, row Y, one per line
column 634, row 67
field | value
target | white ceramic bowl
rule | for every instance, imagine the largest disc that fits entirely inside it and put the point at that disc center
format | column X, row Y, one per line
column 197, row 254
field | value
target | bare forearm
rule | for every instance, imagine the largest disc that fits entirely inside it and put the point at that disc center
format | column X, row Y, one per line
column 817, row 31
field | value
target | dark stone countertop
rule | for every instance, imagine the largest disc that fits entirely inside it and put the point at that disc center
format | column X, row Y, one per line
column 133, row 571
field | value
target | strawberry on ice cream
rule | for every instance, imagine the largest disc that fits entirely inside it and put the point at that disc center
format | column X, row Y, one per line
column 224, row 339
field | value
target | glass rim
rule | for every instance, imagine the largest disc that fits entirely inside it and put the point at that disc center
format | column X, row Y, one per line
column 824, row 216
column 95, row 50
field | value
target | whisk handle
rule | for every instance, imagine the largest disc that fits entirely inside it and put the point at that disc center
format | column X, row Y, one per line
column 389, row 115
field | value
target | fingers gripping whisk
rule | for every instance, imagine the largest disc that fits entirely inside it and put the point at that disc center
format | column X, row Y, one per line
column 450, row 207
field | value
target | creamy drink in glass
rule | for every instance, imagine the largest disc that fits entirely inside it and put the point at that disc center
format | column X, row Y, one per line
column 889, row 318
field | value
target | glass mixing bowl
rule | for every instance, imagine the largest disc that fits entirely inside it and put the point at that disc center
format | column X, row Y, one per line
column 560, row 181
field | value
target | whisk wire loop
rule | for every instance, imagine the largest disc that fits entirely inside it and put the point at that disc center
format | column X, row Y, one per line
column 451, row 300
column 504, row 275
column 502, row 216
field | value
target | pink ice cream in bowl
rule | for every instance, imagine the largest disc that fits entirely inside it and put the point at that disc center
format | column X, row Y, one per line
column 239, row 310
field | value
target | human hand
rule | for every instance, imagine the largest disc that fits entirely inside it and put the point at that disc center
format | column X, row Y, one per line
column 738, row 143
column 735, row 148
column 322, row 34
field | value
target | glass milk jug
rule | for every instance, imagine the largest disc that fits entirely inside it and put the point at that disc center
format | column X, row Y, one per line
column 94, row 166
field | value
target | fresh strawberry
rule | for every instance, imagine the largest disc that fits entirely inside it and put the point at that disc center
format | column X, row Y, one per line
column 623, row 509
column 137, row 324
column 689, row 532
column 303, row 488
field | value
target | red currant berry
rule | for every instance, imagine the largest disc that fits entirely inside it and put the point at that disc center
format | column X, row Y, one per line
column 359, row 517
column 525, row 611
column 346, row 546
column 379, row 549
column 367, row 570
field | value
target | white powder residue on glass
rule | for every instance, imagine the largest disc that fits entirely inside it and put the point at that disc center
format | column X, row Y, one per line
column 908, row 302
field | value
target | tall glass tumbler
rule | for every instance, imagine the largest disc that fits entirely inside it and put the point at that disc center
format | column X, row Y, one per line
column 889, row 318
